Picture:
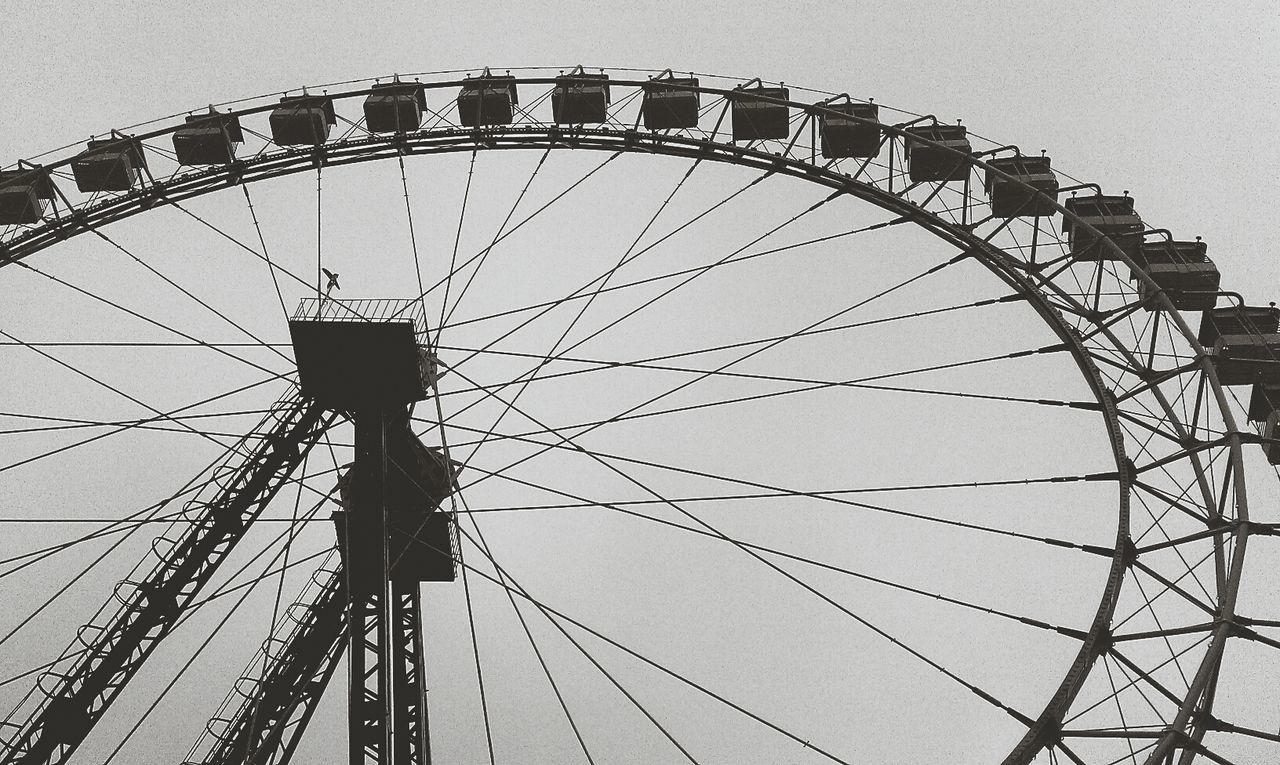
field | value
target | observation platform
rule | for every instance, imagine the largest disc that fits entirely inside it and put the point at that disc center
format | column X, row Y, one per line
column 361, row 353
column 363, row 357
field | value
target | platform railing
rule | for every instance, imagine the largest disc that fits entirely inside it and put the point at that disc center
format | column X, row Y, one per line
column 369, row 310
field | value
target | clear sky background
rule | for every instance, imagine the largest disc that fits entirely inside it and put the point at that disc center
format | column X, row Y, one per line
column 1170, row 101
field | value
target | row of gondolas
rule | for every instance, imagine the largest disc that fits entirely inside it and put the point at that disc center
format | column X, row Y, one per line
column 1243, row 340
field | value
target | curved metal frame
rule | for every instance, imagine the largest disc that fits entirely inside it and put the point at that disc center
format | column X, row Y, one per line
column 1048, row 299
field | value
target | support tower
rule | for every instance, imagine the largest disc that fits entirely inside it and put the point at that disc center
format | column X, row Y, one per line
column 362, row 358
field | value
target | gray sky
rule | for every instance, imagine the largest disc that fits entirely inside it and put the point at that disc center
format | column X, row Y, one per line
column 1166, row 99
column 1163, row 100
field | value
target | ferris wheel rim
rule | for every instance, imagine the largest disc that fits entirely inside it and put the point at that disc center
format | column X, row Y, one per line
column 90, row 216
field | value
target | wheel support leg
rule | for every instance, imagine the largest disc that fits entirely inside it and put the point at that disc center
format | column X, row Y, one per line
column 371, row 694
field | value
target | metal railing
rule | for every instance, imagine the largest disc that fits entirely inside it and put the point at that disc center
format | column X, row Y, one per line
column 379, row 310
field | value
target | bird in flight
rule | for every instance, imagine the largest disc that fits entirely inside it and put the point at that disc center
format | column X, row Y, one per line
column 333, row 281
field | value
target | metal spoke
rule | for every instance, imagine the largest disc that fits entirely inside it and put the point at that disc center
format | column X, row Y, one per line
column 622, row 508
column 169, row 415
column 567, row 443
column 984, row 695
column 453, row 256
column 555, row 347
column 135, row 314
column 213, row 633
column 262, row 242
column 524, row 626
column 259, row 342
column 497, row 237
column 475, row 653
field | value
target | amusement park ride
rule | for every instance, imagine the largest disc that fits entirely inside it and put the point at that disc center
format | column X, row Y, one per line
column 368, row 362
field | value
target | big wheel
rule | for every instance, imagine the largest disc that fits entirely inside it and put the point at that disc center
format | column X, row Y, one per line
column 743, row 423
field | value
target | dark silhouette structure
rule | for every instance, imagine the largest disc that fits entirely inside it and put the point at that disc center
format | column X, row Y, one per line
column 362, row 361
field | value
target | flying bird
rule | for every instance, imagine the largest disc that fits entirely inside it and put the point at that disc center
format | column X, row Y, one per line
column 333, row 281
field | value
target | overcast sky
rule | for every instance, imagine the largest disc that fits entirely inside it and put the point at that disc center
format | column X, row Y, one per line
column 1168, row 101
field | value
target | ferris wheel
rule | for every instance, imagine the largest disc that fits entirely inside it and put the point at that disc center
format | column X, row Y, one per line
column 585, row 415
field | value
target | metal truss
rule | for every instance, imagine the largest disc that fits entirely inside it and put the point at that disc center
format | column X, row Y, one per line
column 268, row 709
column 110, row 649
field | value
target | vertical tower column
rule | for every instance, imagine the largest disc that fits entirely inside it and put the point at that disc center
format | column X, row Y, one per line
column 371, row 695
column 409, row 719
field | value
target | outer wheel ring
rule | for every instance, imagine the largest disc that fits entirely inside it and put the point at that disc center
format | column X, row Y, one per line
column 1043, row 730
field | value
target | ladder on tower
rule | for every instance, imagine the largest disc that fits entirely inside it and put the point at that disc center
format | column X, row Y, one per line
column 69, row 698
